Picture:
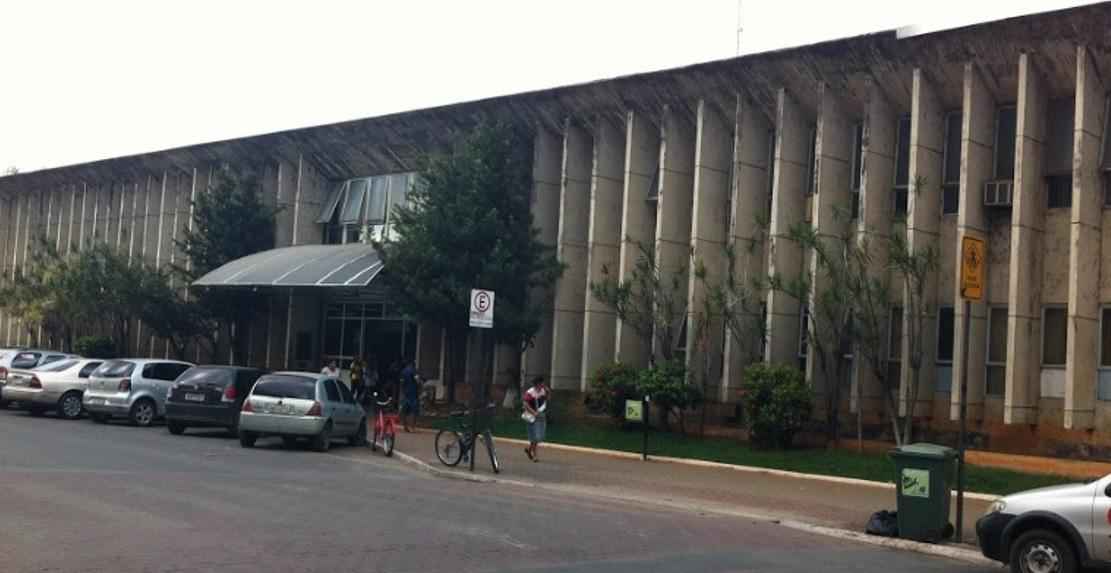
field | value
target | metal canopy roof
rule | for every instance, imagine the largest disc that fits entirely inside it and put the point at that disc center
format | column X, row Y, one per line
column 353, row 265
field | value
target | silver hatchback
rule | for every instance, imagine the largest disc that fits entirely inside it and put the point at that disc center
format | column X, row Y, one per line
column 296, row 405
column 134, row 389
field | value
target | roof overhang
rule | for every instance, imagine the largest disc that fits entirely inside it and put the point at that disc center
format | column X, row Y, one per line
column 326, row 266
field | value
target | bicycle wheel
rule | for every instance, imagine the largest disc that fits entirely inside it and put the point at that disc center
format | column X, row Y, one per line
column 374, row 440
column 449, row 447
column 494, row 463
column 387, row 443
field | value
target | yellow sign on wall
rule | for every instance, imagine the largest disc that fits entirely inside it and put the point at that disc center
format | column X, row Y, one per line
column 973, row 267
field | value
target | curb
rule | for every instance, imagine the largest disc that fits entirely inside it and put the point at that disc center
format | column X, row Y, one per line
column 734, row 467
column 955, row 552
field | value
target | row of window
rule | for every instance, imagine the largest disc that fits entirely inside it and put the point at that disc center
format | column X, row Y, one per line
column 1054, row 340
column 358, row 204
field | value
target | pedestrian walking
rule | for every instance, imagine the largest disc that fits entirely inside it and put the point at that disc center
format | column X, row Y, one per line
column 332, row 369
column 536, row 405
column 410, row 396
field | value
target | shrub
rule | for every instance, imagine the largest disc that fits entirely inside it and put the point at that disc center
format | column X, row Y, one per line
column 95, row 347
column 666, row 386
column 610, row 386
column 777, row 404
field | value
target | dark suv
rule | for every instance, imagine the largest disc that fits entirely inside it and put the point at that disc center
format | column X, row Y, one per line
column 209, row 396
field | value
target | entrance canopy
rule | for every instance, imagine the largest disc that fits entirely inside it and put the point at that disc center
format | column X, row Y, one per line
column 350, row 265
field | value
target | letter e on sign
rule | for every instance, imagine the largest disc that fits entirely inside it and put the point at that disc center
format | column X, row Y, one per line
column 482, row 308
column 973, row 267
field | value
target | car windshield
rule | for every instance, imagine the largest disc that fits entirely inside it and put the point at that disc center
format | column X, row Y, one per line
column 114, row 369
column 285, row 386
column 57, row 366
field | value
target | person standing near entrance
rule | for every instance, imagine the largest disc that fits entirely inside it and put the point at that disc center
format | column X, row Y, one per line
column 410, row 392
column 536, row 406
column 358, row 382
column 332, row 369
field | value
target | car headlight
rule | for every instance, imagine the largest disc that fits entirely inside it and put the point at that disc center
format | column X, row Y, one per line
column 997, row 506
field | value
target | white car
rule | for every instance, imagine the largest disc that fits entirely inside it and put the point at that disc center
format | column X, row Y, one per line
column 25, row 359
column 1050, row 530
column 57, row 386
column 135, row 389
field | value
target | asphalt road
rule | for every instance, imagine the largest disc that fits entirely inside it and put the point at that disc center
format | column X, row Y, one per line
column 76, row 496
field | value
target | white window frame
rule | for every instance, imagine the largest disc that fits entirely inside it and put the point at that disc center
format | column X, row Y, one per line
column 1045, row 309
column 896, row 188
column 988, row 363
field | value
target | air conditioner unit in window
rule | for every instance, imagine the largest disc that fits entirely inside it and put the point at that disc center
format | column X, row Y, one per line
column 998, row 193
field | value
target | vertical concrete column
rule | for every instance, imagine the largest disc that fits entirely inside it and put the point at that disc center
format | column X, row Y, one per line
column 673, row 208
column 603, row 243
column 571, row 248
column 638, row 220
column 977, row 131
column 750, row 190
column 1086, row 231
column 713, row 153
column 6, row 225
column 1020, row 402
column 927, row 134
column 873, row 228
column 788, row 209
column 547, row 159
column 830, row 216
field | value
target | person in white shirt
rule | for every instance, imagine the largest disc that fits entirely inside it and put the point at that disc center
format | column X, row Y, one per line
column 332, row 369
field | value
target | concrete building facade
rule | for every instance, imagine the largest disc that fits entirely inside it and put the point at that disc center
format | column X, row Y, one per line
column 997, row 131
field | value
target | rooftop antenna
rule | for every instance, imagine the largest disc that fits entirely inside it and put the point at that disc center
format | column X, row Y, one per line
column 740, row 25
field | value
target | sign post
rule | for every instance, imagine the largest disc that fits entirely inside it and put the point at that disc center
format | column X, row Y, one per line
column 973, row 263
column 481, row 317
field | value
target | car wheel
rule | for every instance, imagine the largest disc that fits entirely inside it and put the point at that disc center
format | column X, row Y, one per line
column 99, row 418
column 359, row 437
column 69, row 405
column 289, row 442
column 142, row 413
column 322, row 441
column 175, row 428
column 4, row 404
column 247, row 439
column 1042, row 551
column 35, row 410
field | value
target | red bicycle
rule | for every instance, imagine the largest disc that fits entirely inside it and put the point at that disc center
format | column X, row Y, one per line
column 385, row 425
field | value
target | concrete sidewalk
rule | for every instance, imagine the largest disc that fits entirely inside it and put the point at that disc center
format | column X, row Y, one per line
column 817, row 500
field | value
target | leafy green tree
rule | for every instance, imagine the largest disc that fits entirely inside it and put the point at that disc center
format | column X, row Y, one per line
column 230, row 221
column 468, row 224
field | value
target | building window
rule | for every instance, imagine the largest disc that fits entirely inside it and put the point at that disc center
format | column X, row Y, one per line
column 812, row 163
column 1105, row 338
column 902, row 167
column 804, row 329
column 771, row 174
column 1055, row 335
column 997, row 351
column 895, row 345
column 363, row 204
column 1005, row 125
column 1059, row 187
column 951, row 176
column 857, row 167
column 945, row 334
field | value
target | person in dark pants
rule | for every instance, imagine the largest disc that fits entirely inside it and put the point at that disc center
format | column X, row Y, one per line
column 410, row 396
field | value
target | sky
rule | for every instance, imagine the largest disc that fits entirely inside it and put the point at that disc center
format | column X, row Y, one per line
column 83, row 81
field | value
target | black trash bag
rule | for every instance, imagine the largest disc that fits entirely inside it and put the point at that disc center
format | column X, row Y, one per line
column 883, row 523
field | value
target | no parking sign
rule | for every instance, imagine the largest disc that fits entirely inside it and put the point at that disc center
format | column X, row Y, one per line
column 482, row 308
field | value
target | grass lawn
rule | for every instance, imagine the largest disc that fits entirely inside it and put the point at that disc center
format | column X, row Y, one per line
column 834, row 462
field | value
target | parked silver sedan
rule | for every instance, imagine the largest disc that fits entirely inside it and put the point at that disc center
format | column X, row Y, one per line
column 296, row 405
column 57, row 386
column 25, row 359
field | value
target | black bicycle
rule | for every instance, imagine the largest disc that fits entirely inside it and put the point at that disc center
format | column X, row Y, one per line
column 454, row 445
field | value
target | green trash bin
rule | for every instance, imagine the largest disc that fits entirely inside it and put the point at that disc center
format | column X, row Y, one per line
column 924, row 474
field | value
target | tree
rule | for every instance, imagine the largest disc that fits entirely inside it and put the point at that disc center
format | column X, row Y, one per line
column 12, row 170
column 651, row 301
column 914, row 266
column 468, row 224
column 230, row 221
